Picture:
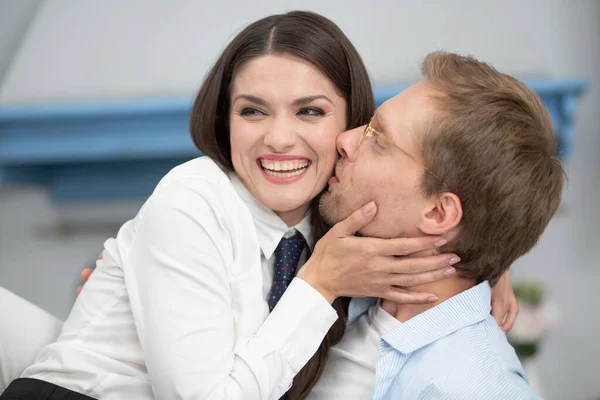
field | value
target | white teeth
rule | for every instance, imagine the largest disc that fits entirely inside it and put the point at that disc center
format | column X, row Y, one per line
column 292, row 165
column 284, row 174
column 284, row 169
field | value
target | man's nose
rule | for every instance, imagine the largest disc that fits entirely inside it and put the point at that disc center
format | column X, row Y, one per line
column 347, row 143
column 281, row 135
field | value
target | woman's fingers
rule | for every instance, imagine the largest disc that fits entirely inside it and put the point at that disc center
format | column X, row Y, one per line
column 499, row 311
column 403, row 296
column 504, row 303
column 345, row 265
column 409, row 280
column 408, row 246
column 511, row 317
column 399, row 246
column 415, row 265
column 356, row 221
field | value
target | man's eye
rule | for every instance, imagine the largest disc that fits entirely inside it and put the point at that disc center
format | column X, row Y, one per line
column 251, row 112
column 380, row 142
column 311, row 111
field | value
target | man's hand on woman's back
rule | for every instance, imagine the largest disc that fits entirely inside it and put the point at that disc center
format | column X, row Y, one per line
column 85, row 275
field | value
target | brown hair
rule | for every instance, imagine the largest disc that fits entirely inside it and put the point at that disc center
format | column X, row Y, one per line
column 319, row 41
column 493, row 145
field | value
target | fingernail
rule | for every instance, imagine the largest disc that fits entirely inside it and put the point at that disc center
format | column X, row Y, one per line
column 454, row 260
column 432, row 299
column 449, row 271
column 369, row 209
column 440, row 242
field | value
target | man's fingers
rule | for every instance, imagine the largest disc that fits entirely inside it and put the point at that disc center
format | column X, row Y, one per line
column 100, row 256
column 85, row 274
column 403, row 296
column 357, row 220
column 79, row 289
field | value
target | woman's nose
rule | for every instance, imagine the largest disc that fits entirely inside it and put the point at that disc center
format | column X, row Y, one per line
column 281, row 135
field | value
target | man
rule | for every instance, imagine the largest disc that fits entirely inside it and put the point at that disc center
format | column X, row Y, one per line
column 467, row 153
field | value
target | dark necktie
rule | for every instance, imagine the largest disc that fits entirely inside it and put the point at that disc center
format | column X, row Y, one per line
column 287, row 255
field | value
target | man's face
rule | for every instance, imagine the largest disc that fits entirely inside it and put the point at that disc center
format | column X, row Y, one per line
column 381, row 172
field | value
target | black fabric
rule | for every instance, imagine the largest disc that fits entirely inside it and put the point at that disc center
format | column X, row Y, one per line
column 35, row 389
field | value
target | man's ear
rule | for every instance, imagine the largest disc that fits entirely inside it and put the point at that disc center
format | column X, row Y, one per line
column 442, row 214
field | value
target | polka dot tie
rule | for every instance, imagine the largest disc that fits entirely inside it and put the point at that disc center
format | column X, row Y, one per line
column 287, row 255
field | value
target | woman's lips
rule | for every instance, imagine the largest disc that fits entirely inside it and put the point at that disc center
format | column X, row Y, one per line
column 283, row 171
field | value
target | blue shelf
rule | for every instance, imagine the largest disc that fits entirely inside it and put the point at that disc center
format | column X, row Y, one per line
column 120, row 149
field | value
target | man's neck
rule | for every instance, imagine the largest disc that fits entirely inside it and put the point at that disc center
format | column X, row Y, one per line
column 443, row 289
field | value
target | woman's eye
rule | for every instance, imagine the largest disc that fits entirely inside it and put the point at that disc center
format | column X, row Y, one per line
column 311, row 111
column 251, row 112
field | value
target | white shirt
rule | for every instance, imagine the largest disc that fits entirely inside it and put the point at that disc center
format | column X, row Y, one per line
column 350, row 370
column 24, row 330
column 179, row 300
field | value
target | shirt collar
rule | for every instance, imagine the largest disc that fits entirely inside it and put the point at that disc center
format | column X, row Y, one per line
column 358, row 306
column 464, row 309
column 269, row 227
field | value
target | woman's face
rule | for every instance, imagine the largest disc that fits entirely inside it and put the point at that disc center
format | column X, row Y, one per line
column 284, row 119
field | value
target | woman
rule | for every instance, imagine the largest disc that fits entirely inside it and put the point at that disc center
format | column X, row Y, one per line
column 178, row 308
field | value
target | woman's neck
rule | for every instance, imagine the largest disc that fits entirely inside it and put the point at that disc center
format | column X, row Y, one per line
column 292, row 217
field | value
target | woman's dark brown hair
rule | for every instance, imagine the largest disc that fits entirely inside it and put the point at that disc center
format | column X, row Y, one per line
column 319, row 41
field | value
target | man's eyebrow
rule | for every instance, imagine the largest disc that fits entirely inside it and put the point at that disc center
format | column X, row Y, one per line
column 380, row 123
column 309, row 99
column 253, row 99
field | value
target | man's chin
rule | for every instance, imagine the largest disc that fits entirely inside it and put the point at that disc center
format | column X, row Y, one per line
column 328, row 217
column 327, row 207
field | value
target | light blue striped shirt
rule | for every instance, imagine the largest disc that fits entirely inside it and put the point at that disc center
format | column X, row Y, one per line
column 455, row 350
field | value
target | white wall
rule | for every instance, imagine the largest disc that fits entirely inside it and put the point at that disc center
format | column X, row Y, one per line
column 15, row 18
column 109, row 49
column 113, row 48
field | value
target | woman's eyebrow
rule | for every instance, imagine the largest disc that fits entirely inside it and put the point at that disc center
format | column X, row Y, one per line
column 250, row 98
column 298, row 102
column 309, row 99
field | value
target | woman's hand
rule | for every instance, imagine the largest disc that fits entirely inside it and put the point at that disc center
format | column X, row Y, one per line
column 504, row 303
column 345, row 265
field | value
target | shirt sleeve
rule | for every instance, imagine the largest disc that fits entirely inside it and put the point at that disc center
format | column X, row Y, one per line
column 24, row 330
column 181, row 299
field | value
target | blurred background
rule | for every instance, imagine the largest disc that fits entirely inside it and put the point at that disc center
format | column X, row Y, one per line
column 59, row 56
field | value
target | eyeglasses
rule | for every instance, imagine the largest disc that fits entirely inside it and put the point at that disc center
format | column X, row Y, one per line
column 371, row 132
